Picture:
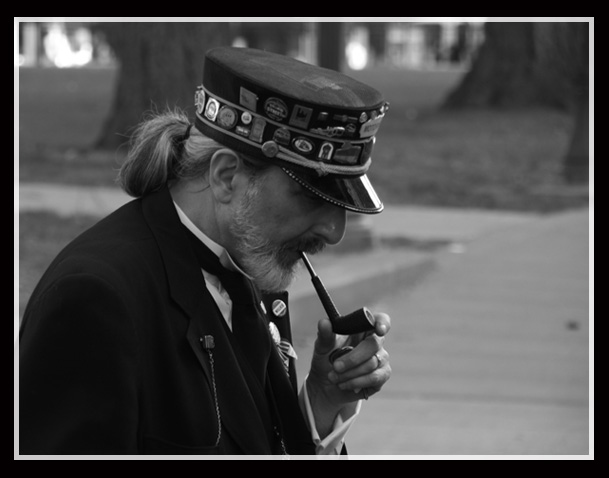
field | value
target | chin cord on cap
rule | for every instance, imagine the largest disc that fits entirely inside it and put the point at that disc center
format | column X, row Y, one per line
column 321, row 168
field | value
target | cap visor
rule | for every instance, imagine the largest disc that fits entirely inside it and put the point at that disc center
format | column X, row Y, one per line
column 352, row 193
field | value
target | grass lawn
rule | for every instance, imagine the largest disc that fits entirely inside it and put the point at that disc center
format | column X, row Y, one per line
column 474, row 159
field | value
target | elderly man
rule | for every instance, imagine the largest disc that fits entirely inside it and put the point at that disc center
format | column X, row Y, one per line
column 164, row 329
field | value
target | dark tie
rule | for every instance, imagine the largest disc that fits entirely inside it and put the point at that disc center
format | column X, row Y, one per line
column 250, row 329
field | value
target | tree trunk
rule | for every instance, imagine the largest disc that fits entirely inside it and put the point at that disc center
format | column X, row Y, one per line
column 330, row 46
column 160, row 66
column 377, row 37
column 503, row 73
column 278, row 37
column 534, row 64
column 564, row 51
column 576, row 162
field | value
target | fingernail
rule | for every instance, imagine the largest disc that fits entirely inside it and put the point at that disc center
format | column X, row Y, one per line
column 383, row 328
column 339, row 366
column 332, row 377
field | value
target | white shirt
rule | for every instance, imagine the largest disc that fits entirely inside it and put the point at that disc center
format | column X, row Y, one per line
column 331, row 444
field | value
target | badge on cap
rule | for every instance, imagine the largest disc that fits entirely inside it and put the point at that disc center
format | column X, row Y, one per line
column 345, row 118
column 200, row 99
column 248, row 99
column 276, row 109
column 348, row 154
column 246, row 117
column 303, row 145
column 282, row 136
column 227, row 117
column 370, row 127
column 300, row 117
column 211, row 111
column 325, row 152
column 329, row 131
column 243, row 131
column 350, row 129
column 258, row 125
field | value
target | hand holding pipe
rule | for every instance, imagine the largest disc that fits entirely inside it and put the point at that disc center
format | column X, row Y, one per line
column 356, row 322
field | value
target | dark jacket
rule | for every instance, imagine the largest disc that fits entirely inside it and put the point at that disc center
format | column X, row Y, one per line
column 112, row 357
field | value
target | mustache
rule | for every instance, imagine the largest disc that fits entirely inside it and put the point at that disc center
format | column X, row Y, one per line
column 310, row 246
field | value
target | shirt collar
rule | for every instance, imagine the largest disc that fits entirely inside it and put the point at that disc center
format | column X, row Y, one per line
column 225, row 259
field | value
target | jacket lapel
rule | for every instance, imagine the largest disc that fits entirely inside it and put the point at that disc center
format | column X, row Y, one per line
column 238, row 410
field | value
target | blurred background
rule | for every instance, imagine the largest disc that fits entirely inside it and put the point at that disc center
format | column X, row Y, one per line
column 486, row 116
column 509, row 100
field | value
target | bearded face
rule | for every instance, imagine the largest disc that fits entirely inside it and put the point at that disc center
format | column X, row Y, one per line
column 271, row 260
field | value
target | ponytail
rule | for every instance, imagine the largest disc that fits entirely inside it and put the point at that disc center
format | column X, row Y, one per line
column 161, row 149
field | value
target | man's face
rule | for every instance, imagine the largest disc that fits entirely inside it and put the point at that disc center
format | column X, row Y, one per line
column 274, row 220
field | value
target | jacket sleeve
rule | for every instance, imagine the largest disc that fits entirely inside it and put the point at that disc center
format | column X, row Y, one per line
column 78, row 370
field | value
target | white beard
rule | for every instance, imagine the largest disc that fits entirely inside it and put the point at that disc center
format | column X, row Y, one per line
column 267, row 263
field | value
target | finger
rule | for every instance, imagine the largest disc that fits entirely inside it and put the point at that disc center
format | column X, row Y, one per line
column 382, row 323
column 326, row 339
column 377, row 361
column 362, row 353
column 372, row 382
column 369, row 366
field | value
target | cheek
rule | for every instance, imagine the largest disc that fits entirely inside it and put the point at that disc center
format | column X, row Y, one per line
column 282, row 222
column 282, row 213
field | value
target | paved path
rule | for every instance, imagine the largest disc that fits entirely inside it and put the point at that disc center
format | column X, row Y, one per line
column 490, row 354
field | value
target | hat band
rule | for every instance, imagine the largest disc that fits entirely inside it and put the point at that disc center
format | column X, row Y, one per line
column 254, row 134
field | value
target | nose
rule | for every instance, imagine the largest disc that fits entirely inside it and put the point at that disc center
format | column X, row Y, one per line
column 331, row 224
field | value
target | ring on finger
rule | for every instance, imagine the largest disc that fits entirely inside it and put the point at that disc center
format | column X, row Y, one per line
column 378, row 360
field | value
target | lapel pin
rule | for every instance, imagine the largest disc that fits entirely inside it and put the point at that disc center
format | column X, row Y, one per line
column 207, row 342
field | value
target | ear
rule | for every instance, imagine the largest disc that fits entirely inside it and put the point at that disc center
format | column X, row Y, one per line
column 223, row 167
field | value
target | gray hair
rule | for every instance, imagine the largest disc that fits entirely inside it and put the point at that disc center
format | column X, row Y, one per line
column 159, row 152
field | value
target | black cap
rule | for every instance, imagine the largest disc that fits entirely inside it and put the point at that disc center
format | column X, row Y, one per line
column 319, row 125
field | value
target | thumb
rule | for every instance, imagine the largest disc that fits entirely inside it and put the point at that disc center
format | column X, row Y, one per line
column 326, row 339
